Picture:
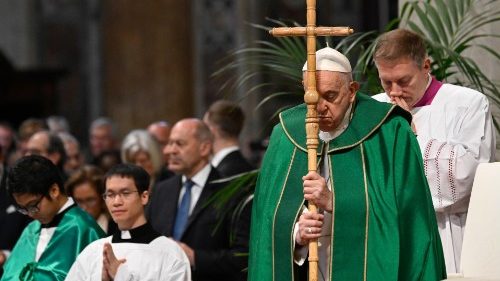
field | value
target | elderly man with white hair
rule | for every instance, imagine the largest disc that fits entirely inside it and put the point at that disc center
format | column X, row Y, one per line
column 375, row 219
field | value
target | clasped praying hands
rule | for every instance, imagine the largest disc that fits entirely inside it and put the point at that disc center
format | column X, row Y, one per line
column 110, row 263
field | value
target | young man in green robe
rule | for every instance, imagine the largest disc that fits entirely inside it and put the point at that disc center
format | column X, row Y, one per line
column 50, row 244
column 375, row 220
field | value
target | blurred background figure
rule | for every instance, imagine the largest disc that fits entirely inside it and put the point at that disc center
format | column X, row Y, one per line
column 74, row 156
column 27, row 128
column 57, row 124
column 107, row 159
column 225, row 120
column 50, row 146
column 160, row 130
column 7, row 142
column 140, row 148
column 85, row 186
column 102, row 137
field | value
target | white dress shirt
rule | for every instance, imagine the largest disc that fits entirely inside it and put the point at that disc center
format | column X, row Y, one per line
column 199, row 180
column 219, row 156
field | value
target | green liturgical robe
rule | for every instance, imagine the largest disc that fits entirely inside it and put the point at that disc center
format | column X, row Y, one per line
column 383, row 223
column 74, row 232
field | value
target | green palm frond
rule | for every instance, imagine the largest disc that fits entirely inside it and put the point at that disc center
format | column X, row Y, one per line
column 239, row 188
column 270, row 69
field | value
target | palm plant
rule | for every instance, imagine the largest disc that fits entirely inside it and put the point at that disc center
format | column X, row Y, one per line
column 278, row 62
column 451, row 29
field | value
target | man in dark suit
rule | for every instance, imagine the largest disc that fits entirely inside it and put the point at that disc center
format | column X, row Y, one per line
column 181, row 208
column 225, row 119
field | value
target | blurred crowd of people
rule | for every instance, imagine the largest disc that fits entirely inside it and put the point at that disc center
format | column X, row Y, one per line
column 198, row 150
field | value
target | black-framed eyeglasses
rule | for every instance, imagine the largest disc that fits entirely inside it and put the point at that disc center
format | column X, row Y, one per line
column 31, row 209
column 124, row 194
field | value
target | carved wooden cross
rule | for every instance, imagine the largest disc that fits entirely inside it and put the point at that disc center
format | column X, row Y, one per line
column 311, row 99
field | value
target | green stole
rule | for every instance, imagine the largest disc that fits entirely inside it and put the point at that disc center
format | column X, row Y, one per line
column 75, row 231
column 362, row 196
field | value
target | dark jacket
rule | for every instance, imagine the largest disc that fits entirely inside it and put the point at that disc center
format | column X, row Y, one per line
column 233, row 164
column 218, row 242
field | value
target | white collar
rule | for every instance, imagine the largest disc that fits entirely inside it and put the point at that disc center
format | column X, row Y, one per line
column 201, row 177
column 66, row 205
column 328, row 136
column 125, row 234
column 217, row 158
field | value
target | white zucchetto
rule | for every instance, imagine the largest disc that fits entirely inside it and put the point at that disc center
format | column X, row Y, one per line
column 331, row 60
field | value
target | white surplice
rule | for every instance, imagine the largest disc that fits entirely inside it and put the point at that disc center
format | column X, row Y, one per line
column 455, row 134
column 162, row 259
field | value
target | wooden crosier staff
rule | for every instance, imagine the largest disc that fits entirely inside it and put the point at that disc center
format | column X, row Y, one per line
column 311, row 99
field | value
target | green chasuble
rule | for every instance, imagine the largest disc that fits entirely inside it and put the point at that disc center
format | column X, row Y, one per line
column 74, row 232
column 384, row 226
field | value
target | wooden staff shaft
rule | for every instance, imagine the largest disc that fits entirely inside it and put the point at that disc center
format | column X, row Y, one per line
column 311, row 99
column 312, row 127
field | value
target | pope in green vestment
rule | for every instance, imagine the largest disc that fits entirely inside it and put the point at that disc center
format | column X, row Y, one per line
column 383, row 224
column 74, row 232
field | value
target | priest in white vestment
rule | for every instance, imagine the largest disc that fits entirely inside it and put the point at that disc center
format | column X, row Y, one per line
column 453, row 125
column 136, row 252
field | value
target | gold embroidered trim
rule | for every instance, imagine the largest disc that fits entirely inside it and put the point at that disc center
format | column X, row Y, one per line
column 367, row 135
column 293, row 238
column 333, row 212
column 342, row 147
column 277, row 207
column 367, row 211
column 282, row 123
column 293, row 141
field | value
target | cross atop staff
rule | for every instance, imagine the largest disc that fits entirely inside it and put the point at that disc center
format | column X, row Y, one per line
column 311, row 99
